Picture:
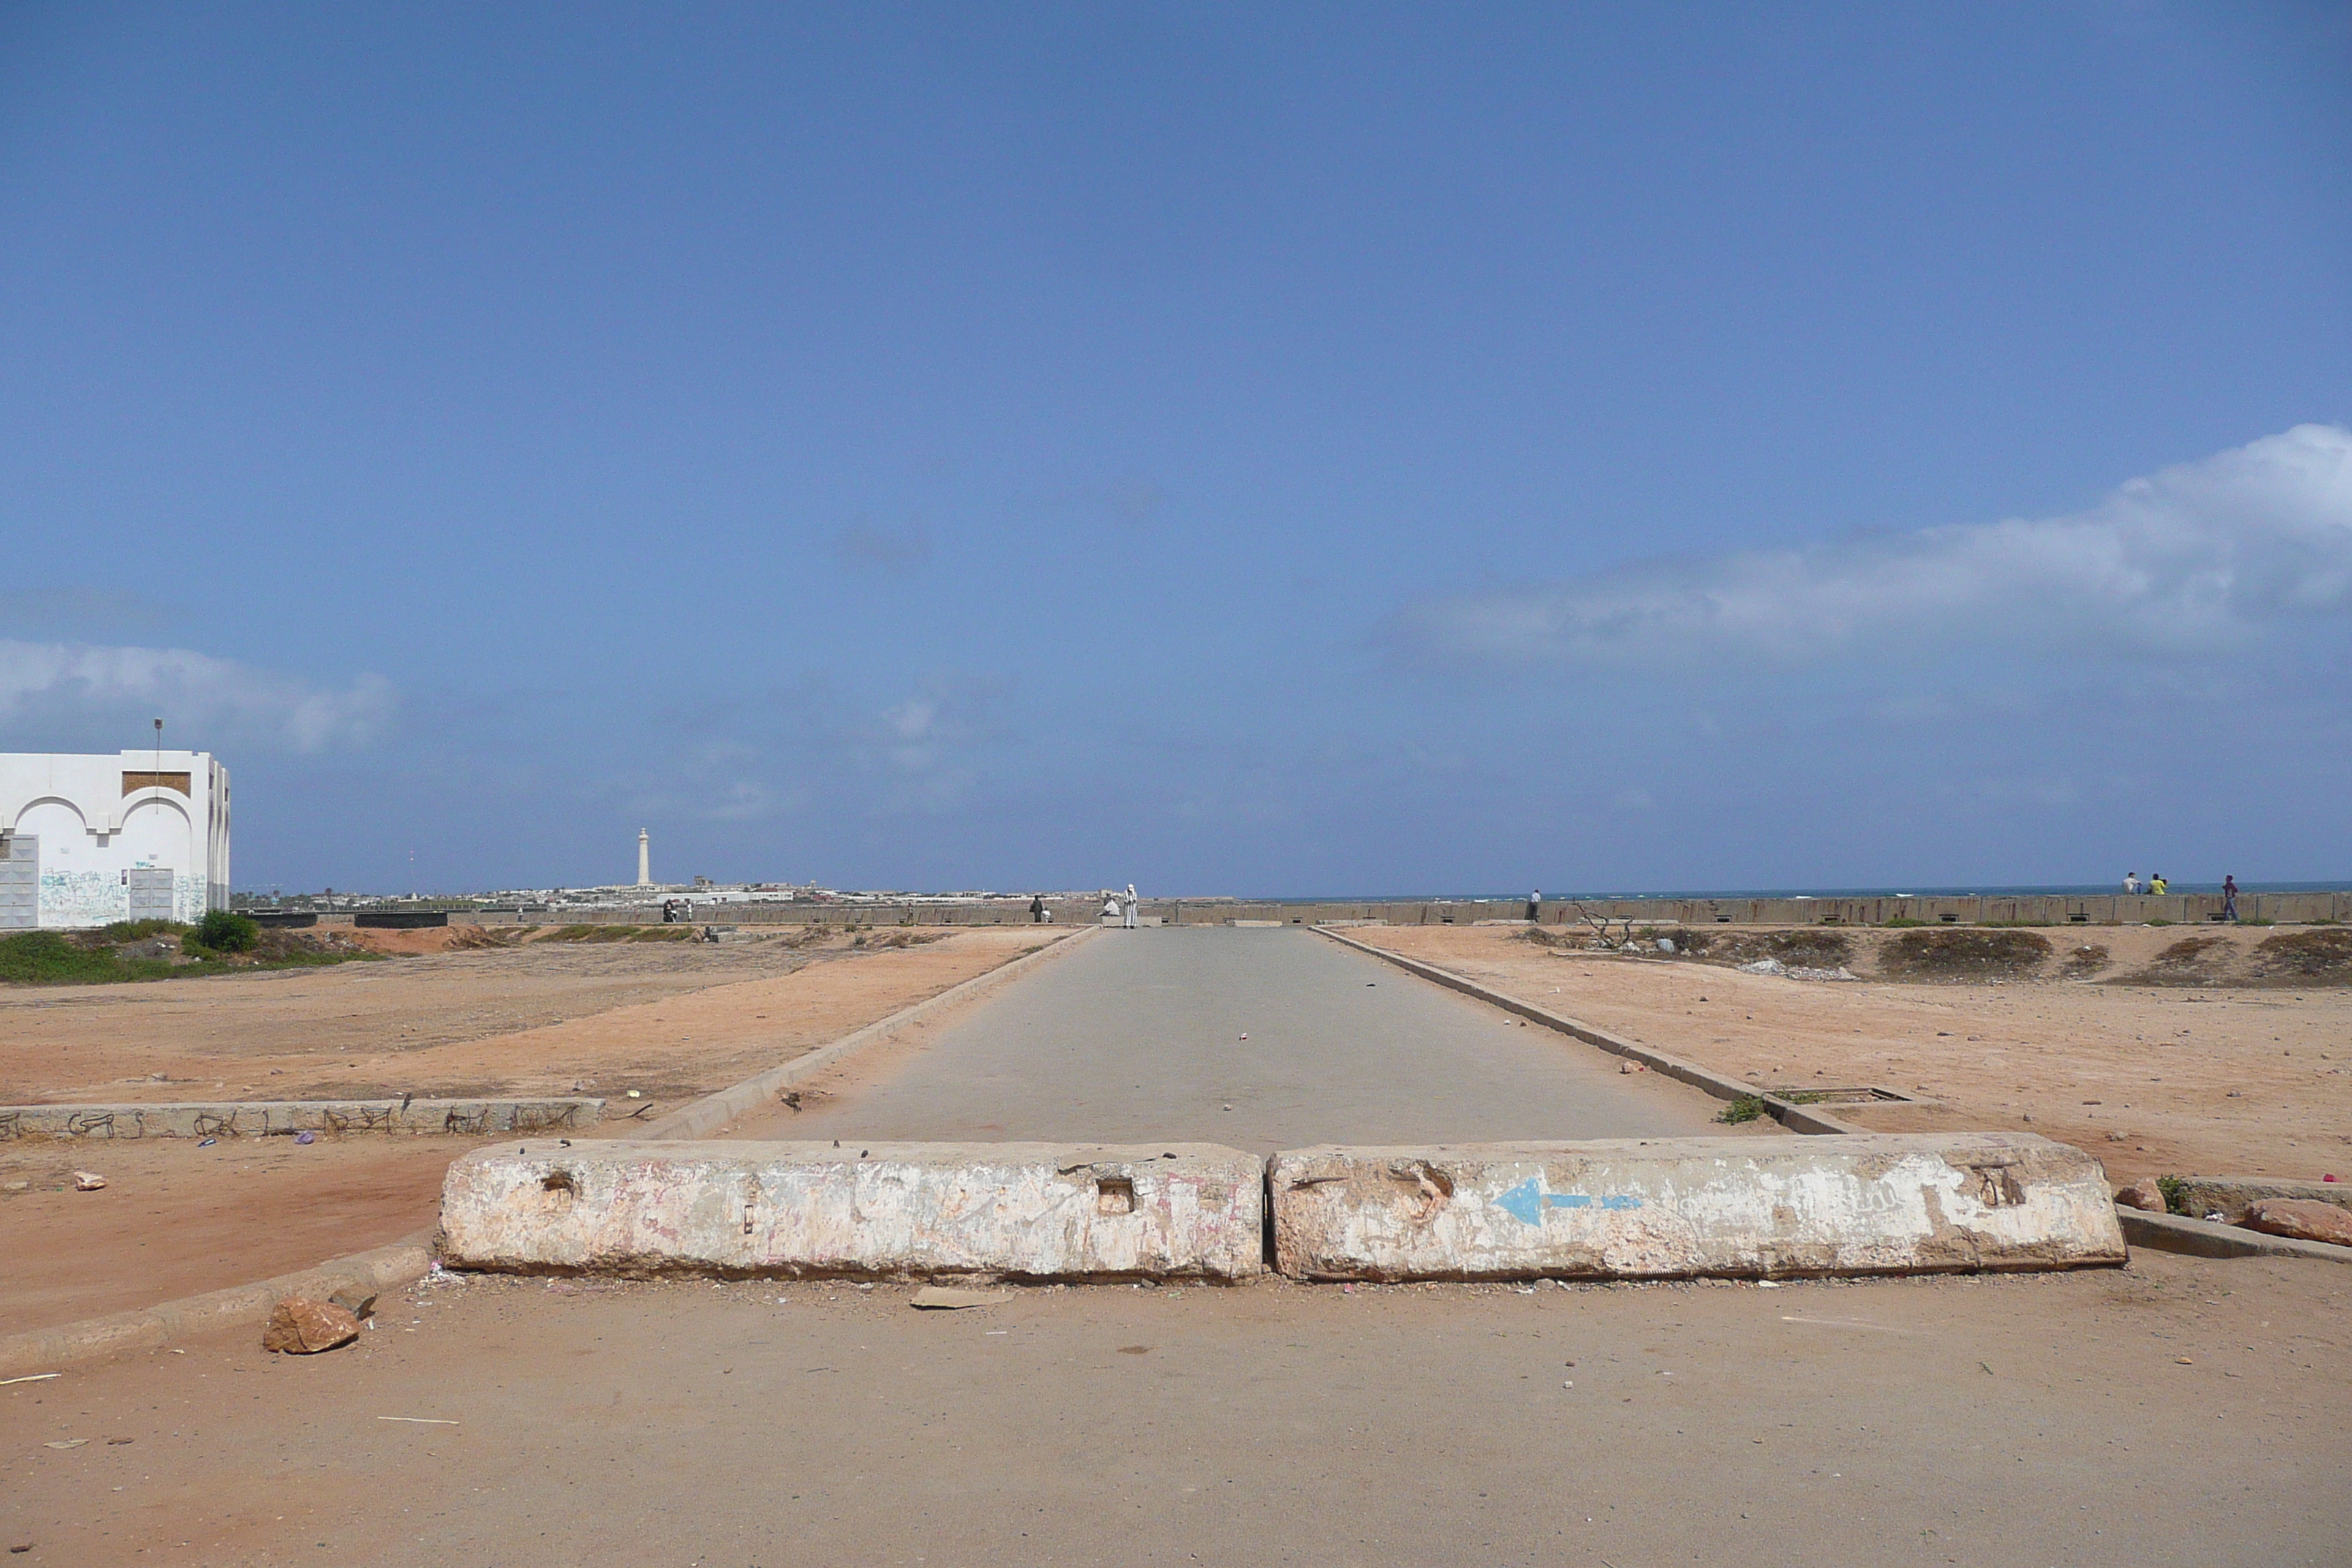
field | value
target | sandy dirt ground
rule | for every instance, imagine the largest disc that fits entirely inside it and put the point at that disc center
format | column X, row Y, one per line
column 2154, row 1079
column 668, row 1019
column 2179, row 1411
column 175, row 1219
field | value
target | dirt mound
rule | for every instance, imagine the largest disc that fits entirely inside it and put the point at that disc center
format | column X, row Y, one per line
column 1807, row 947
column 2085, row 961
column 2322, row 955
column 1965, row 952
column 2191, row 960
column 893, row 939
column 618, row 933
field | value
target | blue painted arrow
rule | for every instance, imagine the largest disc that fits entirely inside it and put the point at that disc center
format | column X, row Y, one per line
column 1527, row 1200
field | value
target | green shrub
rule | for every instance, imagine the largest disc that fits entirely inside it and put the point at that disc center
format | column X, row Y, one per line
column 225, row 930
column 1747, row 1107
column 46, row 958
column 2172, row 1188
column 140, row 931
column 1900, row 921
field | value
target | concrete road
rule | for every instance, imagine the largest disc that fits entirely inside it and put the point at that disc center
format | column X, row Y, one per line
column 1257, row 1039
column 2021, row 1422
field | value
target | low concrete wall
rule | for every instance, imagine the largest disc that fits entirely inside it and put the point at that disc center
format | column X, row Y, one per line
column 277, row 1118
column 2052, row 909
column 1013, row 1211
column 1675, row 1208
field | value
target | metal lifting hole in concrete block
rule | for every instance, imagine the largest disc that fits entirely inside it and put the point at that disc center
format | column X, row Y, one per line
column 1015, row 1211
column 1681, row 1207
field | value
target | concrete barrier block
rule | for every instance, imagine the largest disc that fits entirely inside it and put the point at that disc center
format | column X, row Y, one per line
column 1016, row 1211
column 1679, row 1208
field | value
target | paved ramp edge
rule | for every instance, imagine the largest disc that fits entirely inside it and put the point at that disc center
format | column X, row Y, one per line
column 716, row 1111
column 1794, row 1117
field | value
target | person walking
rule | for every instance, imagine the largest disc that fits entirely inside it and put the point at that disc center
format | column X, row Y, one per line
column 1127, row 908
column 2228, row 897
column 1037, row 910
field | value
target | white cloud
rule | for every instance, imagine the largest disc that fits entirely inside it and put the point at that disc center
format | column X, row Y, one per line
column 203, row 700
column 2204, row 555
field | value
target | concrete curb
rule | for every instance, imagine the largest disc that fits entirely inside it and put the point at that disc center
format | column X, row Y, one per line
column 147, row 1327
column 712, row 1111
column 410, row 1259
column 2204, row 1238
column 1794, row 1117
column 280, row 1118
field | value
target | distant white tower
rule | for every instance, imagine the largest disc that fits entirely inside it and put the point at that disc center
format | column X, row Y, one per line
column 645, row 859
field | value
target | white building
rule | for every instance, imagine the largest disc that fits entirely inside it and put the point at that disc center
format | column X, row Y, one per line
column 85, row 840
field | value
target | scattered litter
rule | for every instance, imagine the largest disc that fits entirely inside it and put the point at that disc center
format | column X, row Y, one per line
column 359, row 1304
column 2182, row 1360
column 1767, row 1284
column 421, row 1420
column 68, row 1443
column 88, row 1181
column 636, row 1094
column 305, row 1137
column 1797, row 971
column 30, row 1377
column 206, row 1142
column 121, row 1442
column 1633, row 1066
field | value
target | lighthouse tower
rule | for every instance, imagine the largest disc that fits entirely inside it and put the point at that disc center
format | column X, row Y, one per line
column 645, row 859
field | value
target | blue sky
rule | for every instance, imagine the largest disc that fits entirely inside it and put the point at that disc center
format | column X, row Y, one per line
column 1267, row 450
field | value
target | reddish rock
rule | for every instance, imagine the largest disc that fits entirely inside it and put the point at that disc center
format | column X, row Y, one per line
column 2305, row 1219
column 303, row 1327
column 2143, row 1193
